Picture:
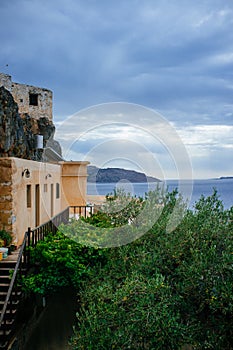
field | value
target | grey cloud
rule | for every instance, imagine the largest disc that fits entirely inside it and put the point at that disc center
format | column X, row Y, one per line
column 171, row 56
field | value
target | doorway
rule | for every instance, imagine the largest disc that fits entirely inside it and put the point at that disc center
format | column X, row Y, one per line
column 37, row 205
column 52, row 199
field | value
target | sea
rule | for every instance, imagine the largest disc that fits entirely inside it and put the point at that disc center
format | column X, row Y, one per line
column 191, row 190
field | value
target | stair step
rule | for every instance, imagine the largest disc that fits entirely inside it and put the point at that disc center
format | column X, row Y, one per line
column 10, row 260
column 7, row 326
column 9, row 322
column 5, row 271
column 9, row 314
column 13, row 302
column 14, row 294
column 14, row 252
column 12, row 255
column 3, row 345
column 9, row 318
column 7, row 267
column 4, row 286
column 3, row 295
column 4, row 333
column 7, row 264
column 4, row 279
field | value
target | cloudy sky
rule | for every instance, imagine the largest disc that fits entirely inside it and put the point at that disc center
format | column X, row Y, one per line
column 110, row 64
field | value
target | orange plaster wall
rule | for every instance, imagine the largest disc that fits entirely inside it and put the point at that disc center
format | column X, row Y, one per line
column 15, row 215
column 20, row 217
column 74, row 183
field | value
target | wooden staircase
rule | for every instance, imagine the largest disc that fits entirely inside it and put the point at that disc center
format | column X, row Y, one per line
column 14, row 266
column 7, row 267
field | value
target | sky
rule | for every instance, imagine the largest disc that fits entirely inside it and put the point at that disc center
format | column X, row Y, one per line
column 145, row 85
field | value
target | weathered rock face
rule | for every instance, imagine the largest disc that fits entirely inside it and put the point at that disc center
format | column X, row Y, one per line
column 17, row 132
column 12, row 137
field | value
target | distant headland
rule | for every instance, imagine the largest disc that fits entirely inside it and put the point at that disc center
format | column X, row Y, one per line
column 225, row 178
column 111, row 175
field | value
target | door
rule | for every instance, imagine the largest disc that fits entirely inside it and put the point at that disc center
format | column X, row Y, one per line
column 37, row 205
column 52, row 201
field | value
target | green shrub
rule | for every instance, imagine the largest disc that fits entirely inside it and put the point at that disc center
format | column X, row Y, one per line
column 59, row 261
column 139, row 314
column 167, row 289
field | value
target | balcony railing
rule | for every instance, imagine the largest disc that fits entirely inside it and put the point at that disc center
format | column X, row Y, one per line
column 76, row 211
column 51, row 226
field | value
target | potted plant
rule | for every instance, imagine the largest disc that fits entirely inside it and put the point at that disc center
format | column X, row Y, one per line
column 6, row 238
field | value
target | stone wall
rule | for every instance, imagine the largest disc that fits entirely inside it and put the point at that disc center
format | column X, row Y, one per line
column 6, row 199
column 5, row 80
column 25, row 111
column 32, row 100
column 17, row 131
column 43, row 98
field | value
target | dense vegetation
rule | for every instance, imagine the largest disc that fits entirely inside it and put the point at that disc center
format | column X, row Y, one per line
column 164, row 290
column 59, row 262
column 168, row 289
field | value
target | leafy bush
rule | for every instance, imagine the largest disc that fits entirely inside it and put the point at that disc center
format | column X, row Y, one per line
column 166, row 290
column 119, row 209
column 125, row 219
column 138, row 313
column 59, row 261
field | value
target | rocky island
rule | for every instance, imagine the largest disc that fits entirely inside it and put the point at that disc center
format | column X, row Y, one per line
column 112, row 175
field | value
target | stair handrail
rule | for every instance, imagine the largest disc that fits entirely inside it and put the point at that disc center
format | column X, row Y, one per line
column 19, row 260
column 63, row 216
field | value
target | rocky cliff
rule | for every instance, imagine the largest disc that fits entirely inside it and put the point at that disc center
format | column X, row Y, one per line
column 17, row 131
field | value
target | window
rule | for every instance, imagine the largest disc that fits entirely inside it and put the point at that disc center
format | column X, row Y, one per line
column 29, row 196
column 57, row 190
column 33, row 99
column 45, row 188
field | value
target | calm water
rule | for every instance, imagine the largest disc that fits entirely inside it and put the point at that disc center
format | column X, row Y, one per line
column 191, row 190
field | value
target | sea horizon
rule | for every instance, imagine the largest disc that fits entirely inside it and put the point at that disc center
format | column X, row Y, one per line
column 191, row 189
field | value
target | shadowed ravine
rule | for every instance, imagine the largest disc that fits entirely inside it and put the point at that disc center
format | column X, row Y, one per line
column 55, row 325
